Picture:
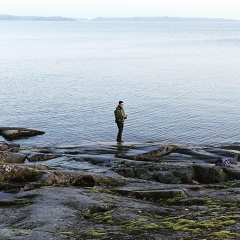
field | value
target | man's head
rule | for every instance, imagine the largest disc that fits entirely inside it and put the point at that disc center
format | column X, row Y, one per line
column 120, row 104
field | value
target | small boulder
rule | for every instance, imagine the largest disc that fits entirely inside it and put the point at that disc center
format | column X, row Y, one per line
column 205, row 173
column 3, row 147
column 35, row 157
column 13, row 133
column 28, row 187
column 9, row 157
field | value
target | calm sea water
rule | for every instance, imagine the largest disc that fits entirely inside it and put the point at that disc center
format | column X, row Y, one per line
column 179, row 81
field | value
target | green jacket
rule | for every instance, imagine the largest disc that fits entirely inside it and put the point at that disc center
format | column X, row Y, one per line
column 119, row 114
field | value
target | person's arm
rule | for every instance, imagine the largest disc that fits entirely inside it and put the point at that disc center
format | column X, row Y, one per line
column 124, row 115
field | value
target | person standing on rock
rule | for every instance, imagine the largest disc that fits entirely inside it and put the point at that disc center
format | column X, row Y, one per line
column 120, row 116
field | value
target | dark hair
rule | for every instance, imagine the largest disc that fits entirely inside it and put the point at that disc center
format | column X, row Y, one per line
column 120, row 102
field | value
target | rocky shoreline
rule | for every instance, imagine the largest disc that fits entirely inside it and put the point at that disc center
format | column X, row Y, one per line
column 111, row 191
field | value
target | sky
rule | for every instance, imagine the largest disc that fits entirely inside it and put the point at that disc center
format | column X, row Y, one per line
column 89, row 9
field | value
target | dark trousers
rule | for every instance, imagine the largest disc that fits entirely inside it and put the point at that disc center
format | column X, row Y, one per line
column 120, row 130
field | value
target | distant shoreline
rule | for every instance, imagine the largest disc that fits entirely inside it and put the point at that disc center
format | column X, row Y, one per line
column 34, row 18
column 164, row 19
column 115, row 19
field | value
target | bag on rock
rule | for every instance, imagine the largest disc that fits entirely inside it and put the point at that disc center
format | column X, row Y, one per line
column 223, row 162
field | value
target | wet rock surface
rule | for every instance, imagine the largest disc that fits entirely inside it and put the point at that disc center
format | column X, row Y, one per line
column 128, row 191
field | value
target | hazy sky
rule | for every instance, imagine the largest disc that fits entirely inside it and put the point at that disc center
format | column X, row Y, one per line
column 124, row 8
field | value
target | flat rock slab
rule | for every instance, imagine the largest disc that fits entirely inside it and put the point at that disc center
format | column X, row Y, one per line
column 11, row 133
column 161, row 162
column 60, row 213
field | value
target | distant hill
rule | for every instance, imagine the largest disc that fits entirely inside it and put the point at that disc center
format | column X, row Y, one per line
column 33, row 18
column 164, row 19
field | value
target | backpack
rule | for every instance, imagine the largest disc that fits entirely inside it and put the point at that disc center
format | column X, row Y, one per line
column 223, row 162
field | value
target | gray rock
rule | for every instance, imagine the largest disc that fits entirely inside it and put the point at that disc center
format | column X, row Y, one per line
column 13, row 133
column 205, row 173
column 9, row 157
column 35, row 157
column 149, row 153
column 100, row 207
column 155, row 194
column 193, row 201
column 3, row 147
column 28, row 187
